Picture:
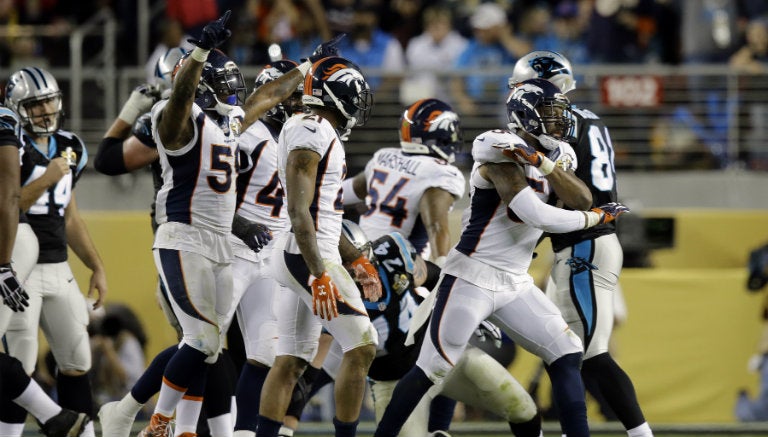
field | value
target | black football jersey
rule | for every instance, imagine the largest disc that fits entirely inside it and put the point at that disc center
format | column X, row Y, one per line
column 10, row 132
column 142, row 130
column 595, row 155
column 393, row 257
column 46, row 215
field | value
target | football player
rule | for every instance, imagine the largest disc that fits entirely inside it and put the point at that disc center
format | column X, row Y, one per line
column 412, row 189
column 585, row 274
column 486, row 273
column 15, row 385
column 308, row 259
column 52, row 163
column 260, row 201
column 404, row 281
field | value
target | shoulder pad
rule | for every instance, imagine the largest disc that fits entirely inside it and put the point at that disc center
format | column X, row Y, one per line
column 483, row 149
column 584, row 113
column 142, row 129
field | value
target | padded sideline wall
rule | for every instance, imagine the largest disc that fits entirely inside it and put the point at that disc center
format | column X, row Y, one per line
column 692, row 325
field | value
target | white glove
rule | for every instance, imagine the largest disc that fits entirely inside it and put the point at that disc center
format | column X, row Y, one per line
column 140, row 102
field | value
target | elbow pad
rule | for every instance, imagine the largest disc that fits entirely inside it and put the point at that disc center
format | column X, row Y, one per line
column 109, row 157
column 548, row 218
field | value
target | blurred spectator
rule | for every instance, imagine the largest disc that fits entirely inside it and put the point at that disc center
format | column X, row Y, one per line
column 565, row 34
column 620, row 30
column 428, row 54
column 193, row 15
column 493, row 45
column 370, row 47
column 709, row 30
column 339, row 14
column 309, row 32
column 752, row 57
column 171, row 35
column 403, row 18
column 26, row 51
column 117, row 341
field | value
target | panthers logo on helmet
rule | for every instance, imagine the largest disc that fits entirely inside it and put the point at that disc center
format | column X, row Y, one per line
column 547, row 66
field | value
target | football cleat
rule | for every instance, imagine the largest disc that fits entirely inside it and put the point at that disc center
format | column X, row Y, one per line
column 67, row 423
column 159, row 426
column 114, row 423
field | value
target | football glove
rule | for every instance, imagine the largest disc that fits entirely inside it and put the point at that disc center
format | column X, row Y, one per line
column 524, row 154
column 609, row 212
column 326, row 49
column 368, row 277
column 12, row 292
column 324, row 296
column 254, row 235
column 140, row 102
column 487, row 331
column 214, row 33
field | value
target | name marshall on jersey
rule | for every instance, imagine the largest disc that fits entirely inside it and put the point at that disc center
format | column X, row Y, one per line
column 398, row 162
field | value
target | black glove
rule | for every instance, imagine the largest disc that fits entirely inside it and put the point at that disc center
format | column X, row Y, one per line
column 214, row 33
column 254, row 235
column 12, row 292
column 326, row 49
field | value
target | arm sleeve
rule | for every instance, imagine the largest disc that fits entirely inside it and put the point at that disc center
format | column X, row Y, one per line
column 548, row 218
column 109, row 157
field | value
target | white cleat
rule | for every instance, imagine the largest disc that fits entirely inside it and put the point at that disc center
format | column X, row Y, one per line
column 113, row 422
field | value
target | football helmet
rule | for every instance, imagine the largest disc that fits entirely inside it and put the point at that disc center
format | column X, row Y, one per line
column 221, row 85
column 544, row 64
column 165, row 66
column 538, row 107
column 337, row 83
column 357, row 237
column 33, row 86
column 280, row 112
column 430, row 127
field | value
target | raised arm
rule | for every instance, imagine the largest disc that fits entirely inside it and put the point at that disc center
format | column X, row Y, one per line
column 179, row 107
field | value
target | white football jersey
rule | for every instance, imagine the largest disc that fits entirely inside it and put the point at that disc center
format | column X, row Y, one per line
column 396, row 182
column 312, row 132
column 491, row 232
column 198, row 179
column 259, row 192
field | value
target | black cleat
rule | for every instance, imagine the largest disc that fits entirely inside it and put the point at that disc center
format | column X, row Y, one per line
column 67, row 423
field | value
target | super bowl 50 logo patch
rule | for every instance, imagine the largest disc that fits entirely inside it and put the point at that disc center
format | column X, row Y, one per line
column 565, row 163
column 70, row 156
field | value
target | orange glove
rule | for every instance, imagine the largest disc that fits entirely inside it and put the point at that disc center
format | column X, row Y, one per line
column 368, row 277
column 324, row 296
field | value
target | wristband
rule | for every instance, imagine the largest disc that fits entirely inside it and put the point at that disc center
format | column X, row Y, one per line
column 199, row 55
column 547, row 166
column 440, row 261
column 591, row 218
column 304, row 67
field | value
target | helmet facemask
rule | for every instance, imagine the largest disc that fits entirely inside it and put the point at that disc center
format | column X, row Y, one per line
column 41, row 115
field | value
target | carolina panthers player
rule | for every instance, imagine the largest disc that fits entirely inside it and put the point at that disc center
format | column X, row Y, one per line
column 477, row 379
column 412, row 189
column 15, row 385
column 52, row 163
column 308, row 258
column 486, row 273
column 587, row 263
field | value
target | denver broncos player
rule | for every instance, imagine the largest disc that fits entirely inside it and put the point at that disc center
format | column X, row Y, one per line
column 260, row 200
column 308, row 259
column 486, row 273
column 412, row 189
column 52, row 163
column 587, row 263
column 478, row 379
